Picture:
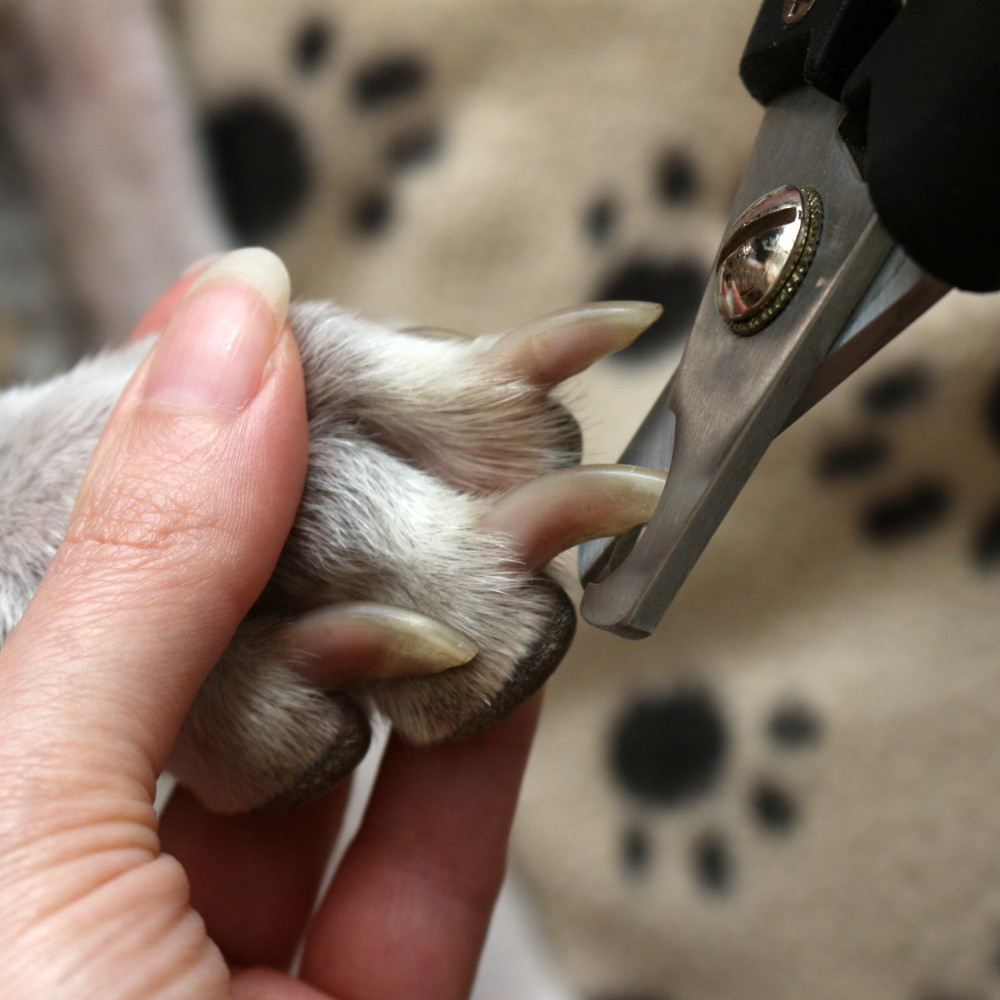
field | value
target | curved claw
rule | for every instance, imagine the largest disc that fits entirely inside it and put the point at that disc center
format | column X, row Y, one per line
column 436, row 333
column 363, row 641
column 555, row 512
column 550, row 349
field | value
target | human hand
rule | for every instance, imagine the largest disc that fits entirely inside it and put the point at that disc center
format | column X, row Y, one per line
column 176, row 529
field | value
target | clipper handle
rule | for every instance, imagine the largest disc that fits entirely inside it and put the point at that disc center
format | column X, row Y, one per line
column 814, row 42
column 929, row 93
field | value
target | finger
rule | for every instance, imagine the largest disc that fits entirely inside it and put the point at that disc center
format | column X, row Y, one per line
column 268, row 984
column 177, row 526
column 420, row 879
column 253, row 879
column 160, row 312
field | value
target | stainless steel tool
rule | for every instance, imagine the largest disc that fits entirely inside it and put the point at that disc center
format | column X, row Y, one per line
column 848, row 224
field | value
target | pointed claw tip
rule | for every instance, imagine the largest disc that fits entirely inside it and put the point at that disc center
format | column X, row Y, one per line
column 554, row 347
column 638, row 307
column 554, row 512
column 652, row 309
column 617, row 324
column 634, row 317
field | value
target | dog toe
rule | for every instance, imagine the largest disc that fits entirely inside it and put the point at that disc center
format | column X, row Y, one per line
column 531, row 672
column 334, row 765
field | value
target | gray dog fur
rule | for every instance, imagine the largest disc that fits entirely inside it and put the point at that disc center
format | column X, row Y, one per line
column 385, row 517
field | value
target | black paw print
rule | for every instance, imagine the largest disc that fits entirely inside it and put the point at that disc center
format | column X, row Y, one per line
column 986, row 545
column 669, row 750
column 676, row 283
column 925, row 502
column 259, row 152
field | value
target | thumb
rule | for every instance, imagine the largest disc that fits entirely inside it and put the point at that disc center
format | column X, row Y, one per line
column 177, row 526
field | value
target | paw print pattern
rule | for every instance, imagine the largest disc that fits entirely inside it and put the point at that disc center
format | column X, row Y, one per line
column 261, row 162
column 674, row 749
column 986, row 545
column 904, row 513
column 676, row 282
column 313, row 46
column 260, row 165
column 925, row 502
column 388, row 79
column 895, row 517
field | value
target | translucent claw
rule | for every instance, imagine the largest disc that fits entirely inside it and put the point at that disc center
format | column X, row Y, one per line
column 555, row 512
column 359, row 641
column 436, row 333
column 554, row 347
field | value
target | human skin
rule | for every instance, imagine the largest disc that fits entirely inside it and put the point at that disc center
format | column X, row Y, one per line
column 176, row 529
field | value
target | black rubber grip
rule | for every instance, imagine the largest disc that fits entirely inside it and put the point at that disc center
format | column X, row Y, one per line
column 822, row 49
column 928, row 96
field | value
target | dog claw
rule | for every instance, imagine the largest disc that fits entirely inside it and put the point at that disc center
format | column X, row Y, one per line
column 342, row 643
column 554, row 512
column 548, row 350
column 436, row 333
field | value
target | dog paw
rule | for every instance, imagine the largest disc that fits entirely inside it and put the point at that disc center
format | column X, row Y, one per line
column 441, row 482
column 440, row 485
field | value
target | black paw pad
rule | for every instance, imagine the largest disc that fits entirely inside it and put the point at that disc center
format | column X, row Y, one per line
column 313, row 45
column 259, row 165
column 671, row 749
column 600, row 219
column 897, row 390
column 635, row 850
column 774, row 809
column 389, row 79
column 713, row 863
column 793, row 726
column 415, row 147
column 906, row 514
column 676, row 177
column 986, row 548
column 372, row 212
column 853, row 458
